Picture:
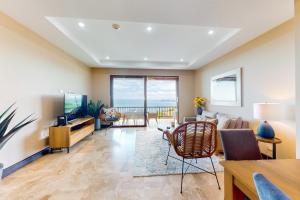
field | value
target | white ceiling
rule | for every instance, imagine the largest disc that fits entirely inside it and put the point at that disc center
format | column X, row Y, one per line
column 179, row 28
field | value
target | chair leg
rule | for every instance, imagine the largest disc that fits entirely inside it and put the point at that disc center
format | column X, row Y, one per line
column 182, row 175
column 215, row 173
column 168, row 154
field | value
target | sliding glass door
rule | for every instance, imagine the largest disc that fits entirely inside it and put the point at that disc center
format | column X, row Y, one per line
column 162, row 98
column 128, row 96
column 144, row 100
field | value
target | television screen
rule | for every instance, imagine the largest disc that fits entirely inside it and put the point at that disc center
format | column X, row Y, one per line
column 75, row 106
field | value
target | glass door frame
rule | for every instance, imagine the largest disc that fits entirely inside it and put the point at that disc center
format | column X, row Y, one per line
column 175, row 78
column 112, row 77
column 145, row 77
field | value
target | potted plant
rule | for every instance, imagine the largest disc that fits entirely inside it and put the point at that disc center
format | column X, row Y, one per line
column 94, row 109
column 5, row 133
column 199, row 103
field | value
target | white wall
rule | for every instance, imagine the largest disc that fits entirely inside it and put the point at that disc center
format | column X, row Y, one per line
column 268, row 68
column 297, row 74
column 32, row 73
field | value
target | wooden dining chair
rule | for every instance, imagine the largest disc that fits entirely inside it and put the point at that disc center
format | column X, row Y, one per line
column 193, row 140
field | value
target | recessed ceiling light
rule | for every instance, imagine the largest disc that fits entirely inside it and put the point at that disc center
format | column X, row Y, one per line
column 181, row 60
column 107, row 57
column 211, row 32
column 116, row 26
column 145, row 58
column 149, row 28
column 81, row 24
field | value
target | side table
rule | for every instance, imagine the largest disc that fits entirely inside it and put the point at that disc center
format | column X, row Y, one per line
column 273, row 141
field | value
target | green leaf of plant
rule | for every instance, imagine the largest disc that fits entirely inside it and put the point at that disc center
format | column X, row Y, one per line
column 6, row 110
column 16, row 128
column 23, row 120
column 6, row 137
column 5, row 123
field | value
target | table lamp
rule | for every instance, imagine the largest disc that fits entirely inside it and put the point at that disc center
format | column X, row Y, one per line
column 267, row 111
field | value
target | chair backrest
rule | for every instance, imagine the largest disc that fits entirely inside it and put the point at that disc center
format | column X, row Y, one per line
column 195, row 139
column 267, row 190
column 240, row 144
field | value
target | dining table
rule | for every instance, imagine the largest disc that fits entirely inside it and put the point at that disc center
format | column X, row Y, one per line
column 238, row 177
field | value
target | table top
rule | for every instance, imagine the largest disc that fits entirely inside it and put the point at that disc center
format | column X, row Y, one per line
column 285, row 173
column 167, row 127
column 266, row 140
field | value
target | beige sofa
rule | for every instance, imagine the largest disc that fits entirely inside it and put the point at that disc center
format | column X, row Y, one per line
column 224, row 121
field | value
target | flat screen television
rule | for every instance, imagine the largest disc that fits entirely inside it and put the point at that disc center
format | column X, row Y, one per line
column 75, row 106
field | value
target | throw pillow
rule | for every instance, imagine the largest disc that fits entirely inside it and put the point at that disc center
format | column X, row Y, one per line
column 233, row 123
column 209, row 114
column 215, row 121
column 223, row 122
column 110, row 112
column 200, row 118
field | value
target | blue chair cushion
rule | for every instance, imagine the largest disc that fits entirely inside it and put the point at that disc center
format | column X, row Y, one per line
column 267, row 190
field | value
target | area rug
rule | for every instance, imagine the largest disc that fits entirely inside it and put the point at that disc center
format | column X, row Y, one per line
column 150, row 156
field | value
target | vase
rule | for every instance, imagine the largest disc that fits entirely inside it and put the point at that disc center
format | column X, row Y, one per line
column 97, row 124
column 199, row 110
column 265, row 130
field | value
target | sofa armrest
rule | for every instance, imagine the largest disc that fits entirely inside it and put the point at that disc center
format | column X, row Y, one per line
column 219, row 147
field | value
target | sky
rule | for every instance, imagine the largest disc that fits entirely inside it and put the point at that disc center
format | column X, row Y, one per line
column 133, row 88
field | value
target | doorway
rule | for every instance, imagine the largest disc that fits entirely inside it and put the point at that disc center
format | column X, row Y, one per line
column 144, row 100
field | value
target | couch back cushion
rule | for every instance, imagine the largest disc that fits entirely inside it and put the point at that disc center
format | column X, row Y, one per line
column 223, row 121
column 230, row 122
column 211, row 115
column 238, row 123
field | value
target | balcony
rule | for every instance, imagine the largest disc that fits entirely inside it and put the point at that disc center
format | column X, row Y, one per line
column 136, row 116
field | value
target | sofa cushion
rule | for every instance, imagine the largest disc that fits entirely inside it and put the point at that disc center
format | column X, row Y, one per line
column 239, row 123
column 209, row 114
column 200, row 118
column 207, row 119
column 212, row 120
column 233, row 123
column 110, row 113
column 223, row 121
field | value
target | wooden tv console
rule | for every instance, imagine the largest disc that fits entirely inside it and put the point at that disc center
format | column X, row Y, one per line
column 68, row 135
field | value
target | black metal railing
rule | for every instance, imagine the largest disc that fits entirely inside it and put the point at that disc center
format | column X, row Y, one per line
column 162, row 111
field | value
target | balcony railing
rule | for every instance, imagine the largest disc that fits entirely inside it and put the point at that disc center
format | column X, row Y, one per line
column 162, row 111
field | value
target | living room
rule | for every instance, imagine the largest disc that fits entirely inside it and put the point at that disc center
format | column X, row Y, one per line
column 50, row 49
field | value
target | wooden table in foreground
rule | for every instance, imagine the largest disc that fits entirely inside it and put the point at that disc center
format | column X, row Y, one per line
column 285, row 174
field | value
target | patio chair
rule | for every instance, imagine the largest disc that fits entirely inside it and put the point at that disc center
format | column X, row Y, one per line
column 193, row 140
column 108, row 117
column 152, row 115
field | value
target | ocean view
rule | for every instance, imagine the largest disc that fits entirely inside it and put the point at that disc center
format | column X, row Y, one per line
column 140, row 103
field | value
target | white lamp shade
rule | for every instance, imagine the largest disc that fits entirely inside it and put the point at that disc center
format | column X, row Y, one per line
column 268, row 111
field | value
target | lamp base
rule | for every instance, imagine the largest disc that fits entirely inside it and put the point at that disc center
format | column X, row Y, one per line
column 265, row 130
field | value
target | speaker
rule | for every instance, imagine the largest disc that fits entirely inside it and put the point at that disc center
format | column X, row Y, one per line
column 62, row 120
column 84, row 111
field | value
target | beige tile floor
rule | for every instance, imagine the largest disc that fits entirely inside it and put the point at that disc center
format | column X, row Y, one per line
column 100, row 167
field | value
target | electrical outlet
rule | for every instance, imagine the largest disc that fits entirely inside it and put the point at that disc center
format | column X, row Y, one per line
column 44, row 134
